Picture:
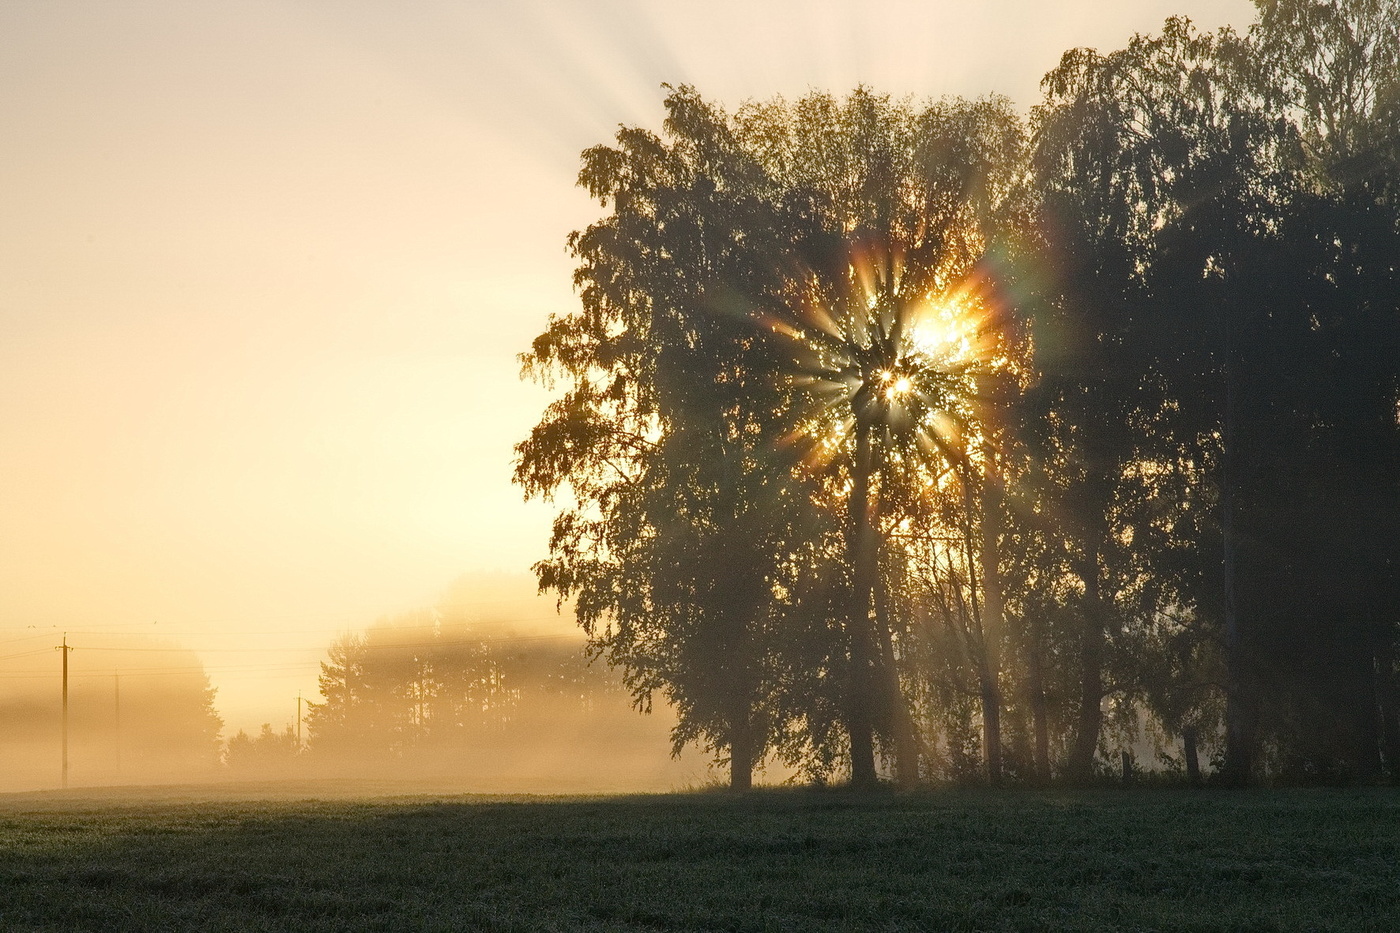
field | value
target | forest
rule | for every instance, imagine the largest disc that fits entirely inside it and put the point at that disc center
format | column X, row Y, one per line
column 928, row 440
column 449, row 695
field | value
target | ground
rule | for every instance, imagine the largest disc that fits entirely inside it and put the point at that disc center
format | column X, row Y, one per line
column 328, row 858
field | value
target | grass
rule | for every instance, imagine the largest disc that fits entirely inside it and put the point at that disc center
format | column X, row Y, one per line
column 791, row 860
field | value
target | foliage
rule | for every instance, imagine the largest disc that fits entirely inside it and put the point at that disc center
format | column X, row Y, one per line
column 748, row 315
column 1144, row 487
column 420, row 685
column 1215, row 245
column 268, row 751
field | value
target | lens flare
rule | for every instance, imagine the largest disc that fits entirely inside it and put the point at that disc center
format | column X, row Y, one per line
column 908, row 354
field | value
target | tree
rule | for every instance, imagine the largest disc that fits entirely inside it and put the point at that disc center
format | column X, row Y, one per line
column 1328, row 421
column 678, row 550
column 1336, row 66
column 762, row 297
column 137, row 710
column 268, row 752
column 404, row 684
column 1158, row 164
column 442, row 690
column 1217, row 172
column 880, row 419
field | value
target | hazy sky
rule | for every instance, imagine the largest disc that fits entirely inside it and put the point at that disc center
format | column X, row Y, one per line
column 265, row 268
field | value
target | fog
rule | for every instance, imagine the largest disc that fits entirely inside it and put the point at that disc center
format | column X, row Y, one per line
column 139, row 711
column 488, row 691
column 268, row 270
column 480, row 692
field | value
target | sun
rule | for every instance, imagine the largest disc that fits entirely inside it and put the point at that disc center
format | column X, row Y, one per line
column 899, row 355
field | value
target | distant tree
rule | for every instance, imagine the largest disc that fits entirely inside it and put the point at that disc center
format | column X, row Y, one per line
column 266, row 752
column 425, row 687
column 158, row 721
column 399, row 685
column 172, row 723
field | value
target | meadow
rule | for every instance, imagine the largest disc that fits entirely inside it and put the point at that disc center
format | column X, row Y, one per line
column 335, row 858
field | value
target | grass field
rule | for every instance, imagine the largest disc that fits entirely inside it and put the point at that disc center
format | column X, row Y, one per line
column 789, row 860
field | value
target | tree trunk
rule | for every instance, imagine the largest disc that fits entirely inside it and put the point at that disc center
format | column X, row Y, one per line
column 1387, row 713
column 1188, row 748
column 1367, row 751
column 906, row 743
column 741, row 748
column 991, row 724
column 1091, row 651
column 859, row 723
column 992, row 623
column 1239, row 732
column 1040, row 713
column 740, row 703
column 1239, row 738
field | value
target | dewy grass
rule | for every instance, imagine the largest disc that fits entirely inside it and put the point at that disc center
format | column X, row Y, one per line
column 790, row 860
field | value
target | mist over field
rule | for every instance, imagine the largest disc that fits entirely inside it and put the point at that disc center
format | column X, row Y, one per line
column 490, row 691
column 485, row 704
column 139, row 711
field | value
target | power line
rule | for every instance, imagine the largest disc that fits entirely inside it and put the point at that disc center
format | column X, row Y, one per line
column 6, row 641
column 25, row 654
column 82, row 676
column 335, row 629
column 369, row 645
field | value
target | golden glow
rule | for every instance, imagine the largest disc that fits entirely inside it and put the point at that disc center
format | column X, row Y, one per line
column 909, row 365
column 239, row 401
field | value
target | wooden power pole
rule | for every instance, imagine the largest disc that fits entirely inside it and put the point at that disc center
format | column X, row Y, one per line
column 65, row 649
column 117, row 720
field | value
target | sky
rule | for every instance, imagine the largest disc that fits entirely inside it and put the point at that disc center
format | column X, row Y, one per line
column 266, row 267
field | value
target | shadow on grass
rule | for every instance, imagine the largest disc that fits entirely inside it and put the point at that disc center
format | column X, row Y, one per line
column 777, row 860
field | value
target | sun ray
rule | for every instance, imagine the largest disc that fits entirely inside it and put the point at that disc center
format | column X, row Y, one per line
column 864, row 349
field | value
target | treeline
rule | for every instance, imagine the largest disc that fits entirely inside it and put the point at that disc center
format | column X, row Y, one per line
column 440, row 694
column 995, row 447
column 414, row 685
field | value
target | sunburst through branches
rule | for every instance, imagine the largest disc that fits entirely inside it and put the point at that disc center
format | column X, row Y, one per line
column 891, row 366
column 906, row 357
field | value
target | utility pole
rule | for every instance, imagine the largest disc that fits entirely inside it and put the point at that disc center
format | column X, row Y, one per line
column 65, row 649
column 117, row 707
column 298, row 722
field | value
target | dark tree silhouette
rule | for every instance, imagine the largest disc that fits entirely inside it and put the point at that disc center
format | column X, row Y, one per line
column 884, row 420
column 751, row 371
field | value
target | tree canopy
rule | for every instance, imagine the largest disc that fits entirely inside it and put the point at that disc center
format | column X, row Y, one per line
column 920, row 432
